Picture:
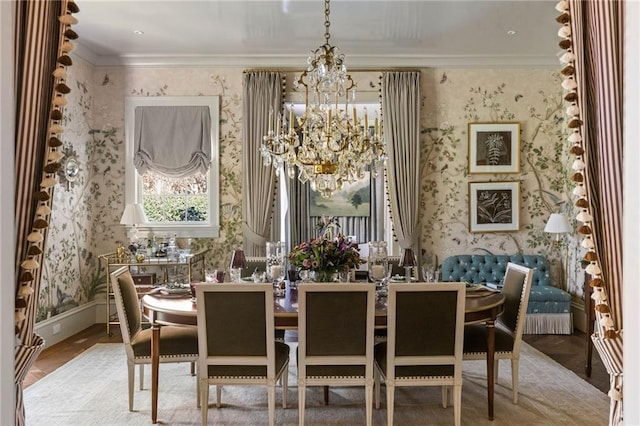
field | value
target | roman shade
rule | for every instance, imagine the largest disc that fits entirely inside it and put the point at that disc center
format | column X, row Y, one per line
column 174, row 141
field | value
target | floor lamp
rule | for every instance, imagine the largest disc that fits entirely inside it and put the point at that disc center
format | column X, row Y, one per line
column 558, row 224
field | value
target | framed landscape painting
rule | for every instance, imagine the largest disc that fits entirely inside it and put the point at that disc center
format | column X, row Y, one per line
column 494, row 147
column 494, row 206
column 354, row 199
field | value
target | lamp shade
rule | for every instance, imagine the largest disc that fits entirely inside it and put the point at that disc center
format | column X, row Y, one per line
column 133, row 215
column 238, row 260
column 408, row 258
column 557, row 224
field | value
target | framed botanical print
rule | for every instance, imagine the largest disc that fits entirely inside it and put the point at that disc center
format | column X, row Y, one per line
column 494, row 147
column 494, row 206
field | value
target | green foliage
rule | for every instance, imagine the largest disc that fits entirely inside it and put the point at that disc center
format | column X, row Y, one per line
column 175, row 208
column 356, row 200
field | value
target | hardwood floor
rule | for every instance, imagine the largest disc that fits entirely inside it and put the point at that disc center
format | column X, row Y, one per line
column 569, row 351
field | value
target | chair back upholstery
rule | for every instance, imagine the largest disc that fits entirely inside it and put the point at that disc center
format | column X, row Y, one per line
column 516, row 290
column 254, row 264
column 396, row 269
column 335, row 329
column 425, row 326
column 127, row 303
column 235, row 329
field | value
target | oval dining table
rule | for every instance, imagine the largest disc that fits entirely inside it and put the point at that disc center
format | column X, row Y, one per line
column 482, row 306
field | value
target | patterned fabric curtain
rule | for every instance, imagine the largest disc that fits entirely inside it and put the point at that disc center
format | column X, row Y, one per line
column 262, row 95
column 401, row 115
column 592, row 35
column 42, row 43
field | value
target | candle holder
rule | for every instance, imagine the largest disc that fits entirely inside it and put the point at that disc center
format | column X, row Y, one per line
column 275, row 261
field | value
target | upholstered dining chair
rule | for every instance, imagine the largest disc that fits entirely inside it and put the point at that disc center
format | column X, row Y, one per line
column 396, row 269
column 258, row 264
column 177, row 344
column 335, row 338
column 237, row 345
column 425, row 324
column 509, row 325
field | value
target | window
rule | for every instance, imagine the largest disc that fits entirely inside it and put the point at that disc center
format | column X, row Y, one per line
column 185, row 206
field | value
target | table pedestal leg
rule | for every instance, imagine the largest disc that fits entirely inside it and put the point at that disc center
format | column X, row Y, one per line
column 155, row 363
column 491, row 349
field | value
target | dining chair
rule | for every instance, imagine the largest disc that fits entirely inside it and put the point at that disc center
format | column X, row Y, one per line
column 236, row 339
column 509, row 325
column 177, row 344
column 254, row 264
column 397, row 270
column 335, row 338
column 425, row 324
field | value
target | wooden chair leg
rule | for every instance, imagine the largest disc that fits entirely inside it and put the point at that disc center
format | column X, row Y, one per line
column 326, row 395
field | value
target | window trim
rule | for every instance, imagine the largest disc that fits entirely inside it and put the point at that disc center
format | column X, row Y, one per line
column 133, row 184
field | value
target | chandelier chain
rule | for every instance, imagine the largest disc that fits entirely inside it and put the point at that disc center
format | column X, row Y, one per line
column 327, row 22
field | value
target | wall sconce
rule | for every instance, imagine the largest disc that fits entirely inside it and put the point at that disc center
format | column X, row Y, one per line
column 557, row 224
column 133, row 216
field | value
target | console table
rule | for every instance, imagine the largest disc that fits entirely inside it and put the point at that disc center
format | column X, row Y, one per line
column 144, row 285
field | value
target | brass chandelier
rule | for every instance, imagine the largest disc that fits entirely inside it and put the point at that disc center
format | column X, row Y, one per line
column 329, row 144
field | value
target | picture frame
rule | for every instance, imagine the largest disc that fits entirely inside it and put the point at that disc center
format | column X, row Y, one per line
column 494, row 147
column 353, row 200
column 494, row 206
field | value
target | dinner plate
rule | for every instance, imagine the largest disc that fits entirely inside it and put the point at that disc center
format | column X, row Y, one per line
column 174, row 290
column 399, row 279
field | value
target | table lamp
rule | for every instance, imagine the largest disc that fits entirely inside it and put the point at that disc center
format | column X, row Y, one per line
column 238, row 262
column 557, row 224
column 132, row 216
column 408, row 260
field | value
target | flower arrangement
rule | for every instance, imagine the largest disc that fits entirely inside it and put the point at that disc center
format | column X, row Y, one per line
column 326, row 255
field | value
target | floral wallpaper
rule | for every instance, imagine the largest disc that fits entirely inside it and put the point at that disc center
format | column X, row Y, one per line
column 85, row 217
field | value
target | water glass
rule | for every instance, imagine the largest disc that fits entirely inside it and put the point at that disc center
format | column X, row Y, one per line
column 429, row 274
column 235, row 274
column 259, row 277
column 210, row 276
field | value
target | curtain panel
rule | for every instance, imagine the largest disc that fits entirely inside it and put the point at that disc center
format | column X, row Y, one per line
column 42, row 40
column 401, row 117
column 592, row 33
column 263, row 94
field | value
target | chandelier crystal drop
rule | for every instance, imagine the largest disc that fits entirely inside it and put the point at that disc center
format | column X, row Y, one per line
column 329, row 144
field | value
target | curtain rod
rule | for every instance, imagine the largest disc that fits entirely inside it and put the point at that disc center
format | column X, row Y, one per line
column 349, row 71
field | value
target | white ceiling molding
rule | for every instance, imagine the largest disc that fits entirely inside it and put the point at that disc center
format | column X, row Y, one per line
column 297, row 62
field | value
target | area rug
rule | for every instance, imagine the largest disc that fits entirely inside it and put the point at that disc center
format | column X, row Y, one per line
column 92, row 390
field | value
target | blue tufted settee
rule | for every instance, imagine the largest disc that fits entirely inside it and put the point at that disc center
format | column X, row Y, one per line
column 549, row 310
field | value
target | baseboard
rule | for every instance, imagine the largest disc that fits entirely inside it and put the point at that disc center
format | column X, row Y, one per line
column 579, row 317
column 55, row 329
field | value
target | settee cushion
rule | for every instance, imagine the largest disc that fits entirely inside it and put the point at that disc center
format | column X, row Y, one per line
column 544, row 297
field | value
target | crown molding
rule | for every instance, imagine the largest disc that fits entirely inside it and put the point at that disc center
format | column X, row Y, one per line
column 297, row 61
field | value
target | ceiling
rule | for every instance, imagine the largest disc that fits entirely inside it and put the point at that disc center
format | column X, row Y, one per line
column 281, row 33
